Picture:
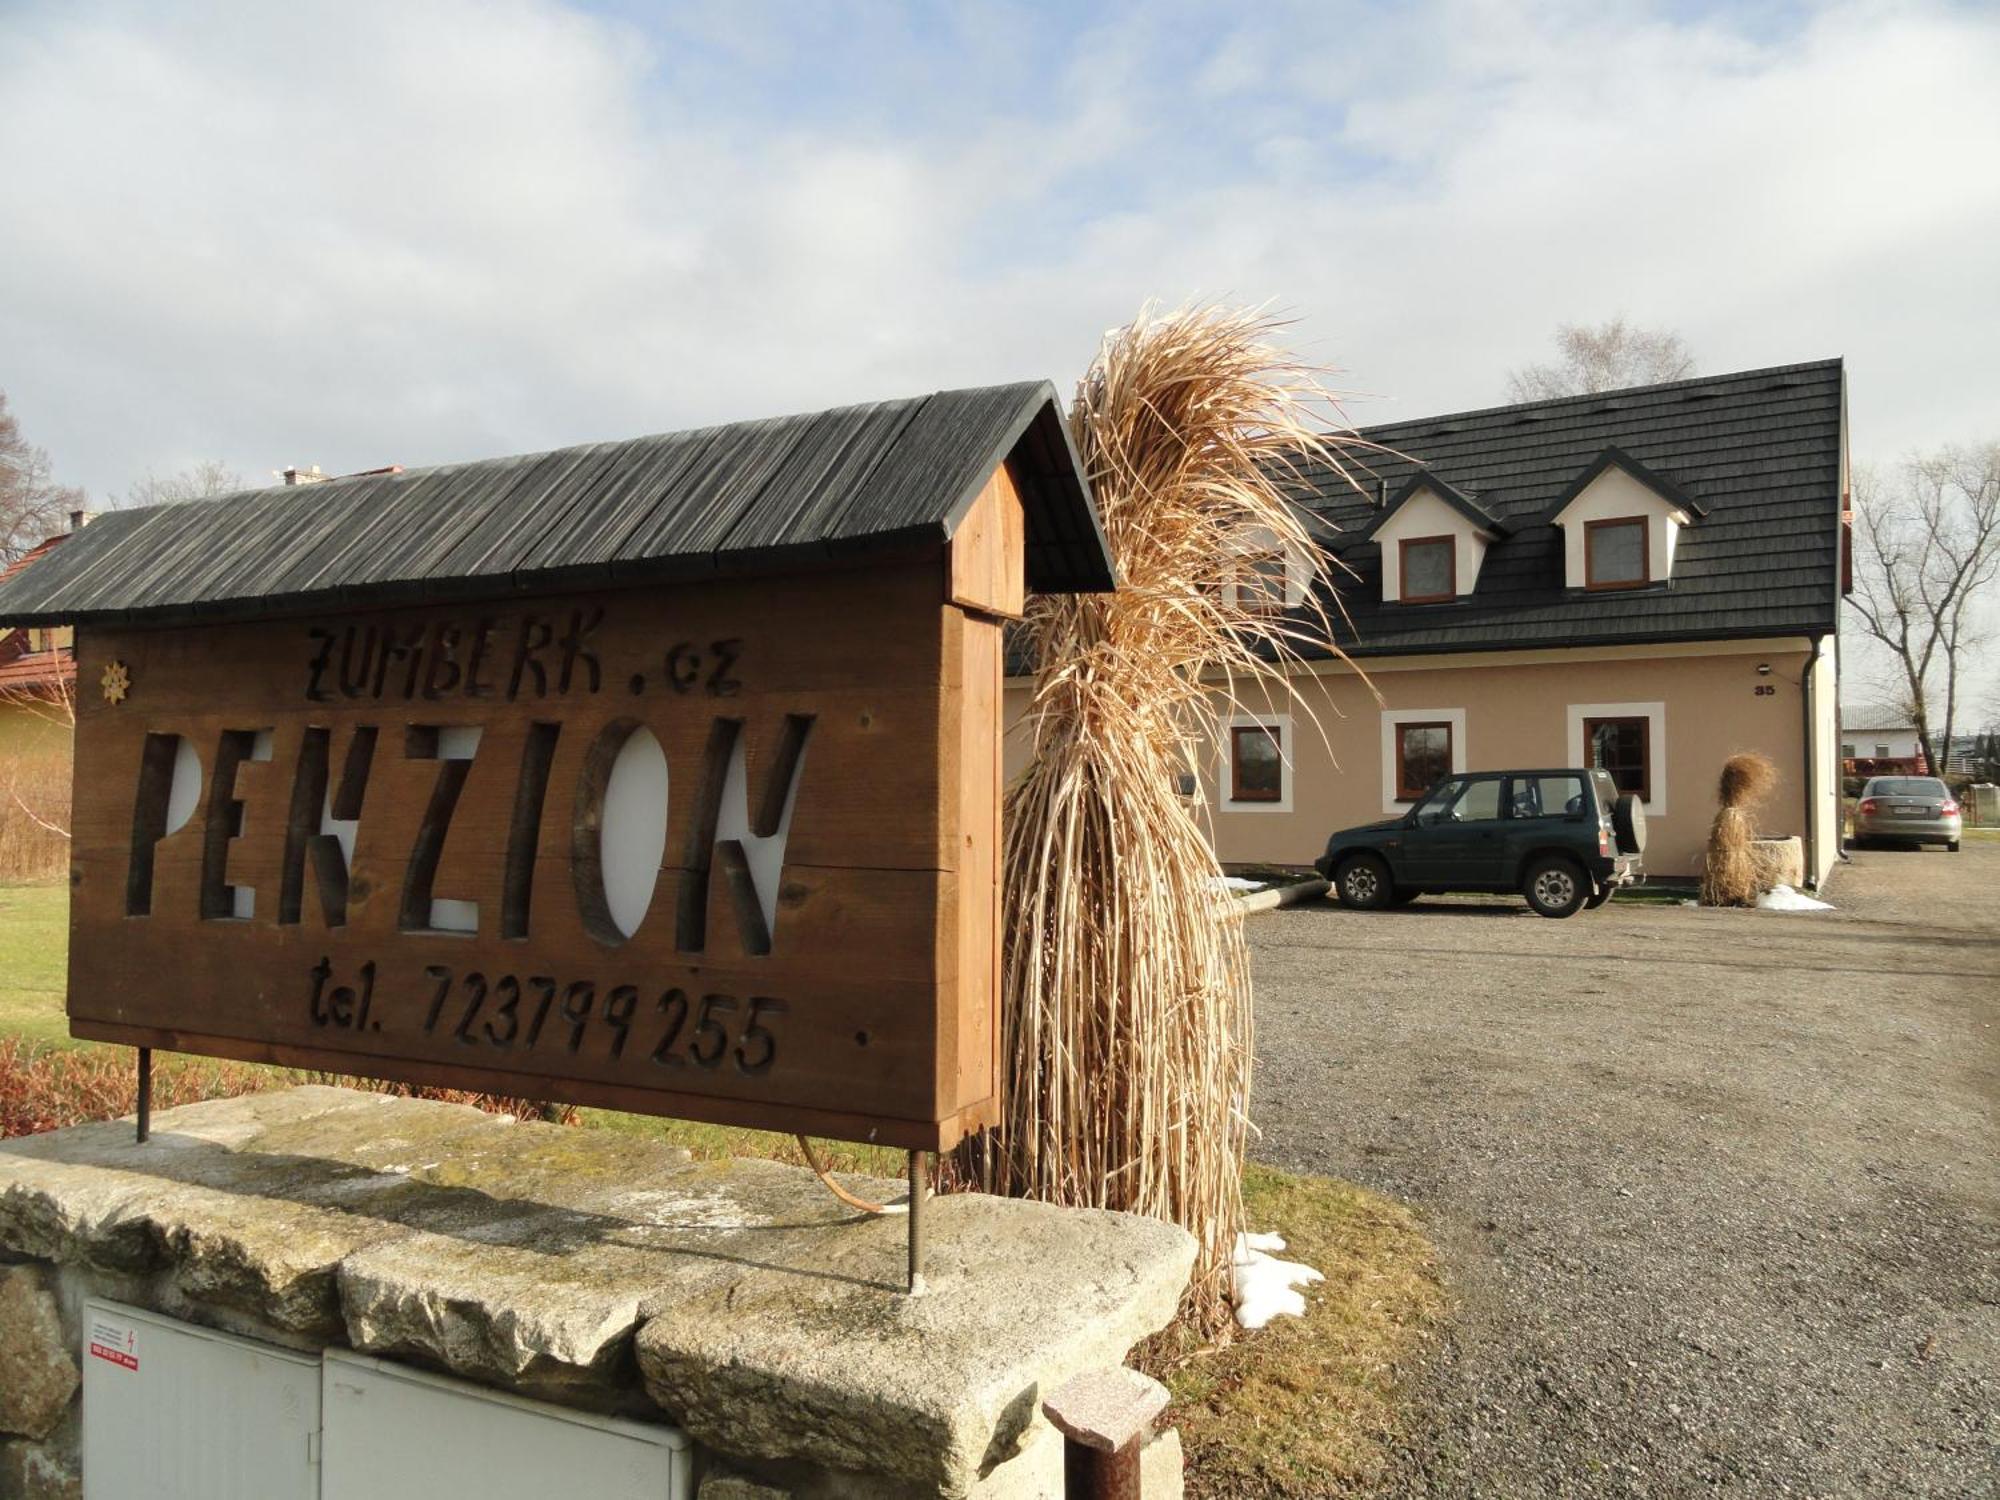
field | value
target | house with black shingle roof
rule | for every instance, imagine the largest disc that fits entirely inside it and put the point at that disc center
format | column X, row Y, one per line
column 1644, row 580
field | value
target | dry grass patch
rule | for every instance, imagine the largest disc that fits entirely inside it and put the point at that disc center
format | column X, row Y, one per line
column 1306, row 1406
column 34, row 809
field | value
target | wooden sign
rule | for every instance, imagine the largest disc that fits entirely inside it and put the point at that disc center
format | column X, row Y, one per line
column 725, row 850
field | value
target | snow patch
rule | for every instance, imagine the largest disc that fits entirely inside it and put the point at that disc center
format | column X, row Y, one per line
column 1264, row 1287
column 1784, row 898
column 1237, row 883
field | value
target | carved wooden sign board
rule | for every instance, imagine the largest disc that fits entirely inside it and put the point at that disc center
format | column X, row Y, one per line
column 723, row 848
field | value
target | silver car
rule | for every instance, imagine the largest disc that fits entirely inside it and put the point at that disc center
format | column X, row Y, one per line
column 1920, row 809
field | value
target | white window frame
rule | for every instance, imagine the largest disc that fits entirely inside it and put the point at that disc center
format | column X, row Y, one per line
column 1392, row 718
column 1226, row 767
column 1655, row 715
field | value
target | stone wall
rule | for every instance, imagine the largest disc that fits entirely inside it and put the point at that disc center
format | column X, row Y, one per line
column 736, row 1300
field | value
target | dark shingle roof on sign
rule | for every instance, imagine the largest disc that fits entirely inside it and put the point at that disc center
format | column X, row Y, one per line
column 1758, row 452
column 781, row 492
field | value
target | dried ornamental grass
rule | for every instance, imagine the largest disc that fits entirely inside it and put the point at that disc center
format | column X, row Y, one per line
column 1126, row 991
column 1747, row 779
column 1732, row 874
column 34, row 815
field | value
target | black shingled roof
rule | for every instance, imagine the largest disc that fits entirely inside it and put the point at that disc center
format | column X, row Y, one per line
column 1757, row 452
column 786, row 492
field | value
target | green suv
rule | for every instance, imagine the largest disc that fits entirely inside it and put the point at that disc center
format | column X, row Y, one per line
column 1565, row 839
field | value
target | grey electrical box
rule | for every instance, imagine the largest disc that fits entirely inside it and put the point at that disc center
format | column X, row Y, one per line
column 393, row 1432
column 176, row 1412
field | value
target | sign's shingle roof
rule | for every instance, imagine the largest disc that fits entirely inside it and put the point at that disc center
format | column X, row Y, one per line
column 1758, row 451
column 785, row 492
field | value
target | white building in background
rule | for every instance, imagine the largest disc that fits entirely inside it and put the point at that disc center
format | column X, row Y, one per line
column 1870, row 733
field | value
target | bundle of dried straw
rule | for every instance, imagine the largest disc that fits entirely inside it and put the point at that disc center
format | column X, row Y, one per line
column 1732, row 874
column 1126, row 1012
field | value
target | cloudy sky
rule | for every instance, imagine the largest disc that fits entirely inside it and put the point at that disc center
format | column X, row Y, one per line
column 357, row 233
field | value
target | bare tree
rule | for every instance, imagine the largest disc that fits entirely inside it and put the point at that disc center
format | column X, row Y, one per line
column 33, row 507
column 1603, row 358
column 1926, row 553
column 204, row 481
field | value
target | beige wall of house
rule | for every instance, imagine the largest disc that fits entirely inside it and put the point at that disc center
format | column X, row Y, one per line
column 1702, row 701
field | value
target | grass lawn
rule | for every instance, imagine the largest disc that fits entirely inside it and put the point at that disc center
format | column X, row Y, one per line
column 1306, row 1406
column 34, row 956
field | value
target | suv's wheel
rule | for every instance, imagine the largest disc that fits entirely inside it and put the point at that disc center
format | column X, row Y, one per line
column 1555, row 887
column 1363, row 883
column 1597, row 898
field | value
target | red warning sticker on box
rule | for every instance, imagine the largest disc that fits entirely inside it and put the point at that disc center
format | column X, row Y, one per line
column 114, row 1342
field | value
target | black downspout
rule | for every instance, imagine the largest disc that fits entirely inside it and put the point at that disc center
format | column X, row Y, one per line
column 1812, row 778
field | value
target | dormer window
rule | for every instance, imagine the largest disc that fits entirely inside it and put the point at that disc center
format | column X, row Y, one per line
column 1267, row 577
column 1430, row 569
column 1433, row 539
column 1263, row 583
column 1621, row 525
column 1615, row 553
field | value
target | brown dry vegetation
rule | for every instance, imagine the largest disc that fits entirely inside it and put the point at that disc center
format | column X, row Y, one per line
column 1126, row 1008
column 1732, row 874
column 49, row 1088
column 34, row 809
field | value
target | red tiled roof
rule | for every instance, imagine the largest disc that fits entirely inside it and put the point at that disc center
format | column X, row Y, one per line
column 24, row 671
column 40, row 550
column 38, row 673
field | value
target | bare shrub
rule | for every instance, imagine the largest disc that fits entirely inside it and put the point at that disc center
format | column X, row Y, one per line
column 48, row 1088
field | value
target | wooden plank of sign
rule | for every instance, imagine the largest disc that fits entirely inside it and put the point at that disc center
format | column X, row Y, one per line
column 975, row 1056
column 986, row 554
column 838, row 995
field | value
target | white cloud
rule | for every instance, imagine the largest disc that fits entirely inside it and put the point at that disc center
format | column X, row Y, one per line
column 358, row 233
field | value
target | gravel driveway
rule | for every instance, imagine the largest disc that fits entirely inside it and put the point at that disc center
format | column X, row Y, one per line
column 1718, row 1193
